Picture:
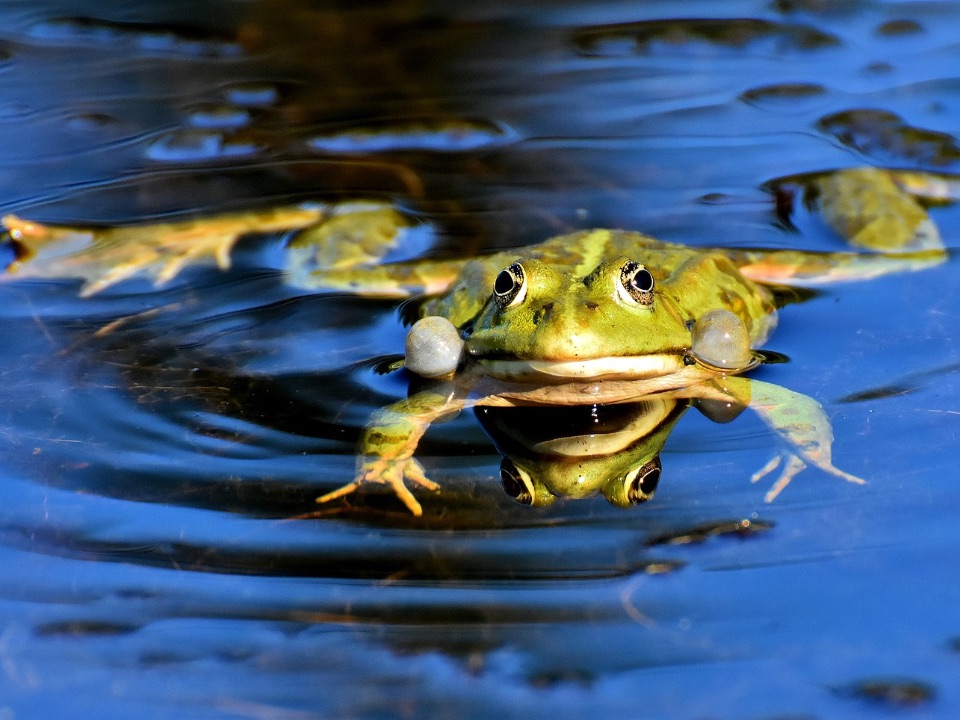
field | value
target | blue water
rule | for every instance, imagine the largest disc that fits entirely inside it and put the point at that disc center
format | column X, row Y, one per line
column 152, row 567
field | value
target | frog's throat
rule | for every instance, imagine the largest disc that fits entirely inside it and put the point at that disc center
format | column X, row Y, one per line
column 601, row 368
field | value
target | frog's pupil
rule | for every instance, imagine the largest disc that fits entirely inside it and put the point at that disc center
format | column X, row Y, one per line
column 508, row 286
column 651, row 479
column 643, row 280
column 644, row 485
column 504, row 283
column 637, row 282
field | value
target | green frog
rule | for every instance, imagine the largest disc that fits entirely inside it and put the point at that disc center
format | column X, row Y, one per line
column 606, row 317
column 591, row 318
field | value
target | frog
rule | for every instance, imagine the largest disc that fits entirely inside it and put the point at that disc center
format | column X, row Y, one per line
column 600, row 317
column 591, row 318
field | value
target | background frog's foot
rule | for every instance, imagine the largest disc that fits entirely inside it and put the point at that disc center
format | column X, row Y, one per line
column 868, row 208
column 792, row 467
column 391, row 472
column 105, row 256
column 931, row 188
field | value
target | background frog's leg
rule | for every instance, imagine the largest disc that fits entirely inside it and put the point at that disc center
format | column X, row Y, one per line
column 870, row 210
column 797, row 419
column 799, row 268
column 345, row 252
column 351, row 235
column 388, row 280
column 386, row 448
column 105, row 256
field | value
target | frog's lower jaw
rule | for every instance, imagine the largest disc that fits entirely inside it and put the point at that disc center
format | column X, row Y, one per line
column 601, row 368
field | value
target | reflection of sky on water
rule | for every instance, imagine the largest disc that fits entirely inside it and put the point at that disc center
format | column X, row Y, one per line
column 149, row 566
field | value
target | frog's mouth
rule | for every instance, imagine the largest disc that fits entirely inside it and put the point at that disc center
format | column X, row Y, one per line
column 599, row 368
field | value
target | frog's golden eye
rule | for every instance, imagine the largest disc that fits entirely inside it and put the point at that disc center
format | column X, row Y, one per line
column 636, row 283
column 510, row 287
column 516, row 483
column 640, row 483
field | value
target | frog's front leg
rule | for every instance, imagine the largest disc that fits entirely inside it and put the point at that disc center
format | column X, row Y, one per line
column 386, row 447
column 798, row 419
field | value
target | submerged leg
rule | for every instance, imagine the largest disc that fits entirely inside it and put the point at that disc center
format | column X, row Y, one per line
column 932, row 188
column 797, row 419
column 386, row 448
column 800, row 268
column 867, row 208
column 345, row 252
column 389, row 280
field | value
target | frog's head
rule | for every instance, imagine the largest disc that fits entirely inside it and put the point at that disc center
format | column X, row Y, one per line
column 610, row 323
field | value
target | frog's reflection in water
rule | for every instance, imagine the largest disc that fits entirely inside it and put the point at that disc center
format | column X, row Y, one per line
column 579, row 451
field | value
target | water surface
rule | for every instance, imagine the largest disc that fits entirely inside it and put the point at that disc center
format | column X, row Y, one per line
column 152, row 466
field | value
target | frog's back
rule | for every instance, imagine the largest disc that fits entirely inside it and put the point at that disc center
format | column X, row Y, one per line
column 575, row 255
column 581, row 252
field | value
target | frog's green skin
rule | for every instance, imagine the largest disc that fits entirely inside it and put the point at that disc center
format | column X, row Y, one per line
column 577, row 321
column 574, row 336
column 546, row 455
column 611, row 449
column 576, row 332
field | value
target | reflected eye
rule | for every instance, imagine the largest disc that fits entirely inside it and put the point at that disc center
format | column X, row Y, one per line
column 641, row 483
column 636, row 283
column 510, row 287
column 516, row 483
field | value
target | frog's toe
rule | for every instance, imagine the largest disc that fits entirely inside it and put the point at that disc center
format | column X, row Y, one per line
column 792, row 466
column 411, row 471
column 406, row 497
column 339, row 492
column 393, row 474
column 414, row 473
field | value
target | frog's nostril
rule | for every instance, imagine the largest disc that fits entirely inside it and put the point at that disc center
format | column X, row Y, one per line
column 547, row 307
column 591, row 305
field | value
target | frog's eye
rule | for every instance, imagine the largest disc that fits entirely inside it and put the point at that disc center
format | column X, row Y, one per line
column 510, row 287
column 636, row 283
column 516, row 483
column 640, row 483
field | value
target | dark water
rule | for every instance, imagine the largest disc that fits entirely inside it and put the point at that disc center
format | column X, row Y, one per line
column 150, row 565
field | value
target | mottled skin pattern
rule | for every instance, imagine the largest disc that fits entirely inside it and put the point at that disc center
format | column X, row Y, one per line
column 571, row 314
column 574, row 336
column 575, row 275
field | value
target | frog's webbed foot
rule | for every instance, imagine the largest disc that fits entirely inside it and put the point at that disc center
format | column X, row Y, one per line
column 105, row 256
column 799, row 422
column 392, row 472
column 793, row 465
column 387, row 445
